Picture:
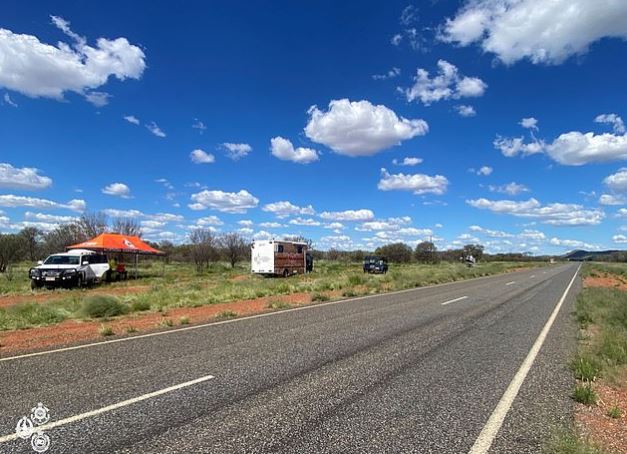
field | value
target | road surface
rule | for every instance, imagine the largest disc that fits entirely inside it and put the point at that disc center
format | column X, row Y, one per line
column 443, row 369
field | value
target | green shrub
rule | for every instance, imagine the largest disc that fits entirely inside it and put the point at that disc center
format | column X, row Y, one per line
column 586, row 368
column 106, row 331
column 614, row 412
column 28, row 315
column 139, row 306
column 166, row 323
column 225, row 315
column 99, row 306
column 565, row 442
column 356, row 279
column 584, row 394
column 320, row 297
column 278, row 305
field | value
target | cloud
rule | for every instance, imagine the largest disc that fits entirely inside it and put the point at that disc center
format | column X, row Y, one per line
column 13, row 201
column 26, row 178
column 384, row 224
column 483, row 171
column 283, row 149
column 396, row 39
column 573, row 244
column 465, row 111
column 340, row 242
column 618, row 181
column 43, row 217
column 448, row 84
column 348, row 215
column 237, row 151
column 511, row 147
column 490, row 233
column 359, row 128
column 131, row 119
column 566, row 214
column 9, row 101
column 305, row 222
column 199, row 156
column 199, row 125
column 284, row 208
column 572, row 148
column 156, row 130
column 542, row 31
column 36, row 69
column 619, row 239
column 612, row 199
column 614, row 120
column 575, row 148
column 271, row 225
column 159, row 217
column 227, row 202
column 417, row 183
column 117, row 189
column 245, row 223
column 263, row 235
column 409, row 161
column 509, row 188
column 529, row 123
column 209, row 220
column 98, row 98
column 391, row 74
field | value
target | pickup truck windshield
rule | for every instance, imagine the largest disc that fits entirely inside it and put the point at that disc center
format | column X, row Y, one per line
column 62, row 260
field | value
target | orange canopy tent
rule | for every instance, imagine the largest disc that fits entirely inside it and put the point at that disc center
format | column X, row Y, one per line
column 115, row 242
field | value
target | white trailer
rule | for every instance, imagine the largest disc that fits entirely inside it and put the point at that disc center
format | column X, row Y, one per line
column 280, row 258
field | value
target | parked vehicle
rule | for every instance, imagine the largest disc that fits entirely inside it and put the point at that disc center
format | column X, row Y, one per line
column 375, row 265
column 76, row 268
column 280, row 258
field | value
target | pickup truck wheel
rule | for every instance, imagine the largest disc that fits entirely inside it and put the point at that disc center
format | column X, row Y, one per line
column 79, row 281
column 286, row 273
column 34, row 284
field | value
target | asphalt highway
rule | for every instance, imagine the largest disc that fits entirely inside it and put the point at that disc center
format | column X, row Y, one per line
column 428, row 370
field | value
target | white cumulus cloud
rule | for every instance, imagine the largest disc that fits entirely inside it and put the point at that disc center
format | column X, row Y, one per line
column 359, row 128
column 408, row 161
column 512, row 188
column 283, row 149
column 448, row 84
column 154, row 129
column 226, row 202
column 542, row 31
column 237, row 151
column 348, row 215
column 117, row 189
column 37, row 69
column 617, row 122
column 27, row 178
column 13, row 201
column 417, row 183
column 566, row 214
column 465, row 111
column 284, row 208
column 199, row 156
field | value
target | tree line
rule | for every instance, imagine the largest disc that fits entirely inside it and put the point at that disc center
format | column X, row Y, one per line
column 205, row 247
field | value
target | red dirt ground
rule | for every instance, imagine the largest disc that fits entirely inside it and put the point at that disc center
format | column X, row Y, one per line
column 594, row 423
column 76, row 331
column 605, row 280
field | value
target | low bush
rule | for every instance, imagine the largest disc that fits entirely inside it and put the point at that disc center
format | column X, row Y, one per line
column 320, row 297
column 99, row 306
column 584, row 394
column 278, row 305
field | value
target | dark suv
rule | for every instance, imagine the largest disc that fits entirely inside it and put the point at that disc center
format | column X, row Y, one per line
column 375, row 264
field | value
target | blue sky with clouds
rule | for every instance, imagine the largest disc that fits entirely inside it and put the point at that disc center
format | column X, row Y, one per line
column 355, row 124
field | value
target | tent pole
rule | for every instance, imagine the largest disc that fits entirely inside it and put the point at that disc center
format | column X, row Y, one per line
column 136, row 257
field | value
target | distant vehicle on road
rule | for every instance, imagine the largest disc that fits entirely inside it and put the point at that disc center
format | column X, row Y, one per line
column 75, row 268
column 280, row 258
column 374, row 264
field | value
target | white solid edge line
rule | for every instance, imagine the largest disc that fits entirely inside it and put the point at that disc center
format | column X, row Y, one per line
column 510, row 283
column 454, row 301
column 108, row 408
column 490, row 430
column 249, row 317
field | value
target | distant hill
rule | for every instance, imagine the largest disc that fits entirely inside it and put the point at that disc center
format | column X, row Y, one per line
column 581, row 255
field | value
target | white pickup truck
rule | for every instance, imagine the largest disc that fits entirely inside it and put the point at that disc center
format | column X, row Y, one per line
column 76, row 268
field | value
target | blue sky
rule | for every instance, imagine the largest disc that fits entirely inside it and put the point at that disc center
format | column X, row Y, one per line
column 297, row 118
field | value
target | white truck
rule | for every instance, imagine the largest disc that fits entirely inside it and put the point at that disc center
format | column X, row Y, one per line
column 280, row 258
column 75, row 268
